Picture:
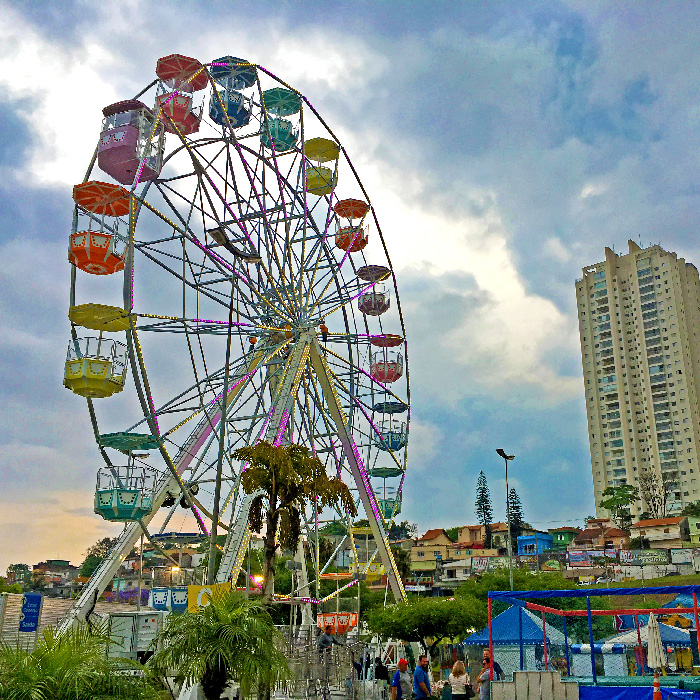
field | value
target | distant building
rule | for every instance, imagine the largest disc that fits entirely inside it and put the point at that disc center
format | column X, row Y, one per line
column 694, row 531
column 663, row 533
column 499, row 537
column 456, row 571
column 639, row 319
column 472, row 535
column 563, row 536
column 600, row 534
column 430, row 549
column 536, row 543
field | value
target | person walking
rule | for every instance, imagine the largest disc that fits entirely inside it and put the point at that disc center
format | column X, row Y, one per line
column 421, row 681
column 459, row 680
column 484, row 681
column 401, row 683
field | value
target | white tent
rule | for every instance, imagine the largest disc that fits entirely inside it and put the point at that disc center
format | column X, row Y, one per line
column 671, row 636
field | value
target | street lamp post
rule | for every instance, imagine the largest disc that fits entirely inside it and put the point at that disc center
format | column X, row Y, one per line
column 506, row 458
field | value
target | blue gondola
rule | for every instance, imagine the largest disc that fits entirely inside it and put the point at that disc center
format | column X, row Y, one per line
column 236, row 106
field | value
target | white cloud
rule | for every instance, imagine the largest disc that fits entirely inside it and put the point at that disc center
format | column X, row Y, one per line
column 556, row 249
column 425, row 440
column 59, row 92
column 591, row 189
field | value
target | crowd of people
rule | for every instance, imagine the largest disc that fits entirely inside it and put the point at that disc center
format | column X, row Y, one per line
column 417, row 686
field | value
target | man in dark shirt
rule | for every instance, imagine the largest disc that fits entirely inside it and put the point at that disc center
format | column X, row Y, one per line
column 326, row 641
column 498, row 674
column 381, row 672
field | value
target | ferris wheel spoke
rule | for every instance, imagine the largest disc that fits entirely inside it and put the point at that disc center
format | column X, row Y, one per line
column 189, row 234
column 361, row 477
column 242, row 225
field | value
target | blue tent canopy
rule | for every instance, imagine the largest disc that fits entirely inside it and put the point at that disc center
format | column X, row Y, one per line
column 506, row 630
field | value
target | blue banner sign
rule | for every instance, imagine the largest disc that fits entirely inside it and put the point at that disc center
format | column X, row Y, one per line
column 31, row 609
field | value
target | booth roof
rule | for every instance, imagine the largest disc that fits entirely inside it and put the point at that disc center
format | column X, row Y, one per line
column 505, row 630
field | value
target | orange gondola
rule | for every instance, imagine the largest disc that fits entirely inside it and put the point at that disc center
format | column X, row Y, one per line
column 102, row 198
column 351, row 208
column 95, row 252
column 354, row 238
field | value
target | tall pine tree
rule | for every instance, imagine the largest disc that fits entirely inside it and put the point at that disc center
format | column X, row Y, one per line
column 517, row 519
column 482, row 506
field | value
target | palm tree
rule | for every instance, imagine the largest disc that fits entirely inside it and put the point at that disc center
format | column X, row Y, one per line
column 231, row 639
column 73, row 666
column 285, row 480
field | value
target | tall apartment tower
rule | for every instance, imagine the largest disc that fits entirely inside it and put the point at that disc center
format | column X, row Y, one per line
column 639, row 321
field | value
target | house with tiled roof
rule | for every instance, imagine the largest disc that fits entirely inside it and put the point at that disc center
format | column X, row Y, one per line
column 430, row 549
column 472, row 535
column 663, row 532
column 601, row 538
column 562, row 537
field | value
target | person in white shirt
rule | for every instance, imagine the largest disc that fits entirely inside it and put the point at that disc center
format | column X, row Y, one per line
column 459, row 680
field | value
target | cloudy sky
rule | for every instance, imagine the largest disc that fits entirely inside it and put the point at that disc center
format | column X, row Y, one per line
column 504, row 145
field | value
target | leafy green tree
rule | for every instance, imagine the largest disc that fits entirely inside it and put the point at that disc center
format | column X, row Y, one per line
column 91, row 562
column 283, row 481
column 325, row 549
column 19, row 573
column 403, row 530
column 232, row 639
column 692, row 509
column 515, row 511
column 334, row 527
column 402, row 557
column 617, row 500
column 429, row 620
column 452, row 533
column 482, row 506
column 9, row 587
column 73, row 666
column 96, row 554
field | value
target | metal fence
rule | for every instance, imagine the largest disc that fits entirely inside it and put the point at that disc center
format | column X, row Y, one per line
column 325, row 674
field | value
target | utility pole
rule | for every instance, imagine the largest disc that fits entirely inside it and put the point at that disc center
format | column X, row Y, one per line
column 507, row 458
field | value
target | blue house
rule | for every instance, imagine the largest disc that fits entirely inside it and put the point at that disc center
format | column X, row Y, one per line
column 535, row 543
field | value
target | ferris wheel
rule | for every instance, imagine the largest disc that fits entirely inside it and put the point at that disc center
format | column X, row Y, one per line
column 230, row 284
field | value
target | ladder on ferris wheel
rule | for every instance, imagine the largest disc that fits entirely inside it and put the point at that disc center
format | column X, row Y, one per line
column 237, row 538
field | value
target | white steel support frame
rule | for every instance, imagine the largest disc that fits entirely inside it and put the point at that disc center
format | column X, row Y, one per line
column 308, row 348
